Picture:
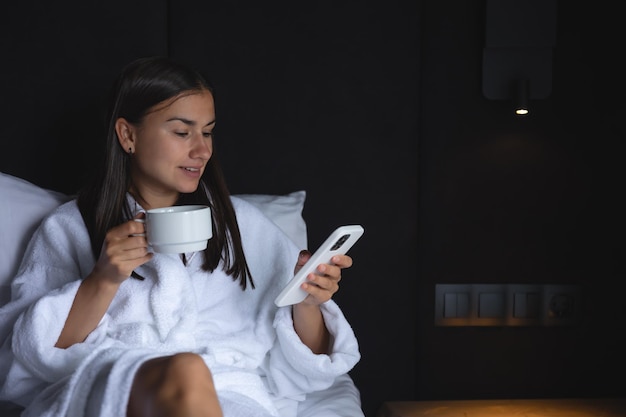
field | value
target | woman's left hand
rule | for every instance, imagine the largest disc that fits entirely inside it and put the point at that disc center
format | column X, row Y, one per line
column 324, row 282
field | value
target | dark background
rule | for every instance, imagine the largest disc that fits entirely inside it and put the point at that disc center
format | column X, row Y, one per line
column 376, row 110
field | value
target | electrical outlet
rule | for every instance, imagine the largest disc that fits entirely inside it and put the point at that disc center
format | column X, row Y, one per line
column 507, row 305
column 562, row 305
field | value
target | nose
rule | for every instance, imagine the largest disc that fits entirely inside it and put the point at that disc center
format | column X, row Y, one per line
column 202, row 148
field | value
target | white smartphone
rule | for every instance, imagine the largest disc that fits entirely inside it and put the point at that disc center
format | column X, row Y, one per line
column 337, row 243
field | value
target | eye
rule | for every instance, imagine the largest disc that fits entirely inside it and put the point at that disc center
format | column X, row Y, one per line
column 207, row 134
column 182, row 134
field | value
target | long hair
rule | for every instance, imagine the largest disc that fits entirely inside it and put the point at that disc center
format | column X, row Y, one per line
column 103, row 204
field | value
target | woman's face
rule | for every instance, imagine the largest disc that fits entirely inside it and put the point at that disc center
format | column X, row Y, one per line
column 172, row 146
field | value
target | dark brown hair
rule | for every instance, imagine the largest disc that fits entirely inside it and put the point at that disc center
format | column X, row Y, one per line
column 103, row 202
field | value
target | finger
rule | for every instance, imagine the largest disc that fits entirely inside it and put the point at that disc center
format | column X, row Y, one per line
column 134, row 247
column 318, row 293
column 324, row 284
column 124, row 230
column 130, row 248
column 136, row 227
column 342, row 261
column 303, row 257
column 329, row 271
column 135, row 241
column 124, row 243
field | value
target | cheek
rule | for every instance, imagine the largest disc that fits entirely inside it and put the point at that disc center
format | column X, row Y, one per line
column 153, row 155
column 156, row 144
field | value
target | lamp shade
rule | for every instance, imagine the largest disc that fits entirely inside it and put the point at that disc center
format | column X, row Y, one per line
column 517, row 58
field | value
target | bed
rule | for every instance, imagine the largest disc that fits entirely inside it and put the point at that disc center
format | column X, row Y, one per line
column 24, row 204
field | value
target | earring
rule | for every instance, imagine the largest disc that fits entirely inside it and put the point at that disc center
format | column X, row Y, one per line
column 130, row 150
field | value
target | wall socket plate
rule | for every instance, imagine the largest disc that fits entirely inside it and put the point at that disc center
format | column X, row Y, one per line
column 508, row 305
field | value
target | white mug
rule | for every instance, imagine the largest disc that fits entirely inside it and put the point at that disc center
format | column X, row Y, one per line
column 178, row 229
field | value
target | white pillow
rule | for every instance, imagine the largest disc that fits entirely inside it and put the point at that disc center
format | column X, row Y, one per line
column 285, row 211
column 23, row 205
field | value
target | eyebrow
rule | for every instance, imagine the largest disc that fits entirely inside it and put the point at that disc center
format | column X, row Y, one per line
column 188, row 122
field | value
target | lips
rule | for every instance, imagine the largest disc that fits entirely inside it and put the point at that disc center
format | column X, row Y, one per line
column 192, row 172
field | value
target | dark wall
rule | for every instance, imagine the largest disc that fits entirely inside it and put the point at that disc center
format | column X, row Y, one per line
column 58, row 63
column 321, row 97
column 376, row 110
column 533, row 200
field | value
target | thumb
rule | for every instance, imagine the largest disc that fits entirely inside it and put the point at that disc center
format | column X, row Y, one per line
column 303, row 257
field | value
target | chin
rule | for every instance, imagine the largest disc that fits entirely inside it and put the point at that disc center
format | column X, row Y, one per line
column 188, row 188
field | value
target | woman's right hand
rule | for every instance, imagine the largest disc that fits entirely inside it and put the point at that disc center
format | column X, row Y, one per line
column 125, row 248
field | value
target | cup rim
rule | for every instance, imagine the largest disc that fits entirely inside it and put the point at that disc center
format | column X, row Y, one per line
column 185, row 208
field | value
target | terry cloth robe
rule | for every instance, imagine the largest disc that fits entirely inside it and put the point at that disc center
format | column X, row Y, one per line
column 259, row 365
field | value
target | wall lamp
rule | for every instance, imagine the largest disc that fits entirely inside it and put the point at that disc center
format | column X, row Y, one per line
column 517, row 58
column 520, row 96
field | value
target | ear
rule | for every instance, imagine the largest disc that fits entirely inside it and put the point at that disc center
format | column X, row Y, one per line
column 125, row 134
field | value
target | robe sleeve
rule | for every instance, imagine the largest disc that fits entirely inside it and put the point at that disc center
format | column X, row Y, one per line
column 290, row 367
column 42, row 293
column 293, row 369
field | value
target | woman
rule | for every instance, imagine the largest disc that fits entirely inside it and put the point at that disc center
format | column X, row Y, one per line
column 106, row 327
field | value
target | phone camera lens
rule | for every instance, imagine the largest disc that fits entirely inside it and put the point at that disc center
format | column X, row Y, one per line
column 340, row 242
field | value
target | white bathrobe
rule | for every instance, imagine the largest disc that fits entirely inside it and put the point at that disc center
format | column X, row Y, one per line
column 259, row 365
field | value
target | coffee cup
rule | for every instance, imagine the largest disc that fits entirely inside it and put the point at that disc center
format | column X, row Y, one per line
column 178, row 229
